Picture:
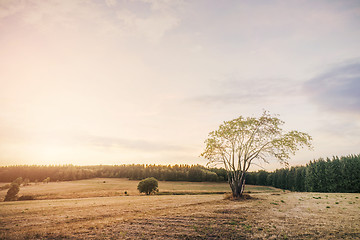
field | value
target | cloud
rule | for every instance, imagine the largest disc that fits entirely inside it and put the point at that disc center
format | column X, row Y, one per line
column 251, row 91
column 337, row 89
column 10, row 7
column 131, row 144
column 110, row 3
column 47, row 16
column 110, row 16
column 153, row 27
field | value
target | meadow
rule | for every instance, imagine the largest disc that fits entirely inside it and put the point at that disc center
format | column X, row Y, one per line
column 99, row 209
column 107, row 187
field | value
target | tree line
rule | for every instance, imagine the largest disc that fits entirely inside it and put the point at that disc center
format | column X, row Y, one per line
column 339, row 174
column 191, row 173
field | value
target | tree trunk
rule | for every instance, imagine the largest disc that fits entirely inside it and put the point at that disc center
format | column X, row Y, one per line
column 238, row 185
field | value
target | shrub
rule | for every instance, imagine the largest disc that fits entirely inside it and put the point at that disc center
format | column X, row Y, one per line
column 148, row 186
column 12, row 192
column 46, row 180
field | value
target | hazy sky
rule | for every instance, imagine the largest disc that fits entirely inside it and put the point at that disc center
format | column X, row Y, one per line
column 145, row 81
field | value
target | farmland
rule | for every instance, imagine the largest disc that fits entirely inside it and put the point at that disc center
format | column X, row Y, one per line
column 99, row 209
column 107, row 187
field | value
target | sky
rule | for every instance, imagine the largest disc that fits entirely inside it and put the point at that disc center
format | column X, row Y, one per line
column 90, row 82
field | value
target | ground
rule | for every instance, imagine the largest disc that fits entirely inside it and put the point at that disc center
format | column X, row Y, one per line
column 271, row 214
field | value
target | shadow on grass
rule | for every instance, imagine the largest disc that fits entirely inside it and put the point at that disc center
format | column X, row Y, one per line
column 243, row 197
column 188, row 193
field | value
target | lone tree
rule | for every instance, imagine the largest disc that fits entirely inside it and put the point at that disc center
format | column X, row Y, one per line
column 148, row 186
column 238, row 142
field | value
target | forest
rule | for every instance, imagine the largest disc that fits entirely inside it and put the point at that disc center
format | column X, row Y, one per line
column 191, row 173
column 339, row 174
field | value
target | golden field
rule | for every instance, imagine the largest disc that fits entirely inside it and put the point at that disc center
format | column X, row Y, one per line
column 92, row 209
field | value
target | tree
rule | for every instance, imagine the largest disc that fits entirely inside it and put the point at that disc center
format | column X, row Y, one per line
column 18, row 181
column 239, row 142
column 26, row 182
column 195, row 174
column 148, row 185
column 46, row 180
column 12, row 192
column 300, row 178
column 261, row 177
column 334, row 175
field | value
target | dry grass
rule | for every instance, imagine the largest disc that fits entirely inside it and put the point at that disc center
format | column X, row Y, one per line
column 269, row 216
column 108, row 187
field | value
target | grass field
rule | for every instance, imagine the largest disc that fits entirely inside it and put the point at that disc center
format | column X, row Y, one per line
column 271, row 214
column 108, row 187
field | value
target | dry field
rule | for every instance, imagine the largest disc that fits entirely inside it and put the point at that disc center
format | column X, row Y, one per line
column 269, row 215
column 108, row 187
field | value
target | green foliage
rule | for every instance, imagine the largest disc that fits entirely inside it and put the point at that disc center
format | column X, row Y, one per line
column 18, row 181
column 245, row 139
column 339, row 174
column 195, row 174
column 336, row 175
column 46, row 180
column 14, row 189
column 133, row 172
column 239, row 142
column 148, row 186
column 12, row 192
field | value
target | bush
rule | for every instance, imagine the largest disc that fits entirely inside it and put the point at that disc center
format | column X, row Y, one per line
column 148, row 186
column 46, row 180
column 12, row 192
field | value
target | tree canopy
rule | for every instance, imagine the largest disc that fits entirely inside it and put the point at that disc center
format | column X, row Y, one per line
column 148, row 186
column 238, row 142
